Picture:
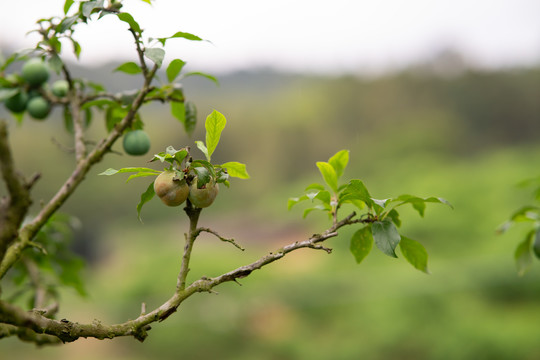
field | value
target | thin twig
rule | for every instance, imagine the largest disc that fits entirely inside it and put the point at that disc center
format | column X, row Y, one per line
column 229, row 240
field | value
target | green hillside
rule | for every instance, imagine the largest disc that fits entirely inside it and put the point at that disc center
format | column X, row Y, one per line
column 469, row 138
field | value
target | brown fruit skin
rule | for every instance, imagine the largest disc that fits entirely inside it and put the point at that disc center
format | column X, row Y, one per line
column 204, row 197
column 171, row 192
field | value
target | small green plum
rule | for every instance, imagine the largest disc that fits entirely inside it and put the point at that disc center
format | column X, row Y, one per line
column 38, row 107
column 60, row 88
column 17, row 103
column 35, row 72
column 136, row 142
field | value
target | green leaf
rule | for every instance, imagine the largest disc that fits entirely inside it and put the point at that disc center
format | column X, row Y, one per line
column 174, row 69
column 312, row 194
column 111, row 171
column 295, row 200
column 180, row 34
column 145, row 197
column 356, row 190
column 67, row 5
column 129, row 68
column 178, row 111
column 190, row 121
column 381, row 203
column 7, row 93
column 386, row 237
column 68, row 119
column 325, row 197
column 214, row 125
column 142, row 174
column 95, row 86
column 76, row 48
column 315, row 186
column 414, row 253
column 56, row 63
column 99, row 103
column 156, row 55
column 536, row 244
column 114, row 115
column 525, row 214
column 66, row 23
column 203, row 176
column 205, row 75
column 180, row 155
column 89, row 6
column 523, row 255
column 236, row 169
column 329, row 175
column 205, row 164
column 419, row 204
column 316, row 207
column 18, row 117
column 339, row 162
column 361, row 243
column 394, row 216
column 170, row 155
column 70, row 274
column 127, row 18
column 15, row 57
column 202, row 147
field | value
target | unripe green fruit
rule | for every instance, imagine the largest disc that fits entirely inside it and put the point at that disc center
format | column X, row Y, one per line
column 204, row 197
column 38, row 107
column 35, row 72
column 136, row 143
column 171, row 192
column 17, row 103
column 60, row 88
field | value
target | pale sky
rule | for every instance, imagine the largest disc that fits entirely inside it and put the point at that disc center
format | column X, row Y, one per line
column 330, row 36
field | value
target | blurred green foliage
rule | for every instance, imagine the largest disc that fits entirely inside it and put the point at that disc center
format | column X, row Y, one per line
column 468, row 138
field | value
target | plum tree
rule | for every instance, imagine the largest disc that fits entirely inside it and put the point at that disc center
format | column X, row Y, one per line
column 186, row 179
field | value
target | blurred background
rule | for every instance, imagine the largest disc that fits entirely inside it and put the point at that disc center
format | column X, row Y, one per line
column 431, row 98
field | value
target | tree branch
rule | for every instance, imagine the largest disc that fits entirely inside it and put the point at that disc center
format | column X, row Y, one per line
column 27, row 335
column 14, row 207
column 193, row 214
column 68, row 331
column 78, row 128
column 210, row 231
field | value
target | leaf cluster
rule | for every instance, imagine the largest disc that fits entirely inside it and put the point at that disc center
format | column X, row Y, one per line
column 186, row 167
column 529, row 216
column 56, row 31
column 379, row 218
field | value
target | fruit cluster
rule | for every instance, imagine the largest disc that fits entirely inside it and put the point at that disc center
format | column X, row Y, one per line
column 174, row 191
column 28, row 91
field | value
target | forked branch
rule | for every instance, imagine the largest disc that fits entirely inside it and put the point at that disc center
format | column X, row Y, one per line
column 20, row 321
